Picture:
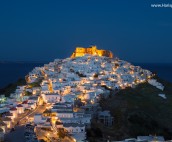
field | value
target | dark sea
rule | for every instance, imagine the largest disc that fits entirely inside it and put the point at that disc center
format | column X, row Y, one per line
column 11, row 72
column 163, row 70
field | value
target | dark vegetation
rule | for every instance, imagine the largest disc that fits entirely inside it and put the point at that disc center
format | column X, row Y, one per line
column 62, row 133
column 27, row 93
column 96, row 75
column 139, row 111
column 94, row 133
column 106, row 87
column 42, row 140
column 10, row 88
column 35, row 84
column 80, row 74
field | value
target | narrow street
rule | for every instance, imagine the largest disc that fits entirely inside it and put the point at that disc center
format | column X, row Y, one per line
column 18, row 134
column 30, row 116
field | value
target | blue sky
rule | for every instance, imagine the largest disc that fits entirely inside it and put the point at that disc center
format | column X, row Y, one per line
column 39, row 30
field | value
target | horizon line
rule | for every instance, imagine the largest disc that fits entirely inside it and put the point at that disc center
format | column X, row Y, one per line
column 47, row 61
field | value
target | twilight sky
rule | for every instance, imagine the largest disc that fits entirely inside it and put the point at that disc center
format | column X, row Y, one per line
column 41, row 30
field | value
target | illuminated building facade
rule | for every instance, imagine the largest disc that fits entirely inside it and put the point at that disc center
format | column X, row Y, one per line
column 81, row 51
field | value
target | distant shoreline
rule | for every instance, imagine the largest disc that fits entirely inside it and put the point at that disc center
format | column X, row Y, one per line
column 23, row 62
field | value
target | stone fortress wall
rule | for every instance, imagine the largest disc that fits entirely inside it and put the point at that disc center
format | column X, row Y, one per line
column 81, row 51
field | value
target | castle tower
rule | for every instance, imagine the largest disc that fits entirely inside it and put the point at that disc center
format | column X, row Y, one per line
column 94, row 50
column 81, row 51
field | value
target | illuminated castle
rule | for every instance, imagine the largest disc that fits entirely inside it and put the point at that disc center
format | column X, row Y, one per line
column 81, row 51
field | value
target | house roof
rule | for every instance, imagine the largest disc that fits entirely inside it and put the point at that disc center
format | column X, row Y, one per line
column 25, row 102
column 60, row 104
column 6, row 119
column 1, row 130
column 63, row 111
column 62, row 107
column 59, row 123
column 47, row 111
column 104, row 113
column 13, row 109
column 33, row 98
column 73, row 125
column 2, row 123
column 48, row 120
column 55, row 94
column 151, row 138
column 9, row 114
column 19, row 105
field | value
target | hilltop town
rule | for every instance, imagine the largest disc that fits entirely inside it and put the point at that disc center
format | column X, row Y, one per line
column 62, row 98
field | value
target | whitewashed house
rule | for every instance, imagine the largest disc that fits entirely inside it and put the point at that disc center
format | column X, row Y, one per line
column 69, row 98
column 74, row 128
column 13, row 111
column 3, row 109
column 51, row 98
column 10, row 115
column 25, row 104
column 36, row 90
column 20, row 109
column 7, row 121
column 105, row 118
column 3, row 126
column 64, row 114
column 39, row 119
column 33, row 99
column 151, row 138
column 31, row 105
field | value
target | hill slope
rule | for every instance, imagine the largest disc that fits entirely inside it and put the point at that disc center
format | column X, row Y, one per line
column 140, row 111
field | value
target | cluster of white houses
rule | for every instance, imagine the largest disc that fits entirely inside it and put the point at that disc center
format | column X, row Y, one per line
column 11, row 107
column 72, row 87
column 155, row 83
column 61, row 115
column 9, row 115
